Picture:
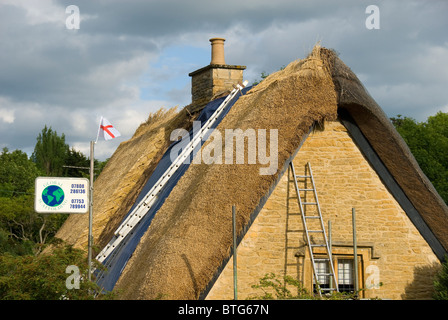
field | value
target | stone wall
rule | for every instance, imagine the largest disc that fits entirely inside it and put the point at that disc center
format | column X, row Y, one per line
column 394, row 260
column 211, row 80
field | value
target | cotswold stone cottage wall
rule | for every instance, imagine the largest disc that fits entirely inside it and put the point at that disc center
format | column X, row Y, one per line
column 394, row 260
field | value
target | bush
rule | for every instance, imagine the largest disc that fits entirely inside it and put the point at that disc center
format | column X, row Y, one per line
column 274, row 288
column 441, row 282
column 44, row 277
column 290, row 288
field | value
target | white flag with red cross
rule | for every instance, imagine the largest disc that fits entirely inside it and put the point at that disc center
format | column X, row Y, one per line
column 107, row 130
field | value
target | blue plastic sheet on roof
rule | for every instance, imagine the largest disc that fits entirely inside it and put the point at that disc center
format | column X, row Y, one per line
column 116, row 262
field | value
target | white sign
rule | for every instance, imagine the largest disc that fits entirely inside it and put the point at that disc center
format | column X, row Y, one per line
column 61, row 195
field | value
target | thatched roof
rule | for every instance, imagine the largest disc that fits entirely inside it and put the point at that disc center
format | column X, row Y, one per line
column 120, row 182
column 396, row 156
column 189, row 238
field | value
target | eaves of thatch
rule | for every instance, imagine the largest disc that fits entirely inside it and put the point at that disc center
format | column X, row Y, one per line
column 189, row 239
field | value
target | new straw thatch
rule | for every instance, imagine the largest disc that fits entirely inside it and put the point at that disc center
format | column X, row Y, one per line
column 123, row 177
column 190, row 237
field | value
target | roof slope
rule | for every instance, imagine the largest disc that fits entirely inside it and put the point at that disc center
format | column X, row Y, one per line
column 190, row 237
column 117, row 187
column 396, row 156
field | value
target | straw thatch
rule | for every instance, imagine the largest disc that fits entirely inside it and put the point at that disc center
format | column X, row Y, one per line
column 391, row 148
column 189, row 238
column 123, row 177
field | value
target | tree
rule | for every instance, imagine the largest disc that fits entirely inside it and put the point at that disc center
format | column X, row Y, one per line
column 17, row 173
column 22, row 230
column 24, row 227
column 264, row 75
column 77, row 163
column 45, row 277
column 50, row 152
column 428, row 142
column 441, row 282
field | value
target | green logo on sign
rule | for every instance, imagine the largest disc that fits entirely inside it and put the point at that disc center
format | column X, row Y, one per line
column 53, row 196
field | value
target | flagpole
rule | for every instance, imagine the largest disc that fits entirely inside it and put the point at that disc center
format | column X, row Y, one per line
column 108, row 128
column 99, row 127
column 90, row 240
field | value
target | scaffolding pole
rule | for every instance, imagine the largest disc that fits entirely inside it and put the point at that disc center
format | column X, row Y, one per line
column 90, row 239
column 235, row 293
column 330, row 248
column 355, row 253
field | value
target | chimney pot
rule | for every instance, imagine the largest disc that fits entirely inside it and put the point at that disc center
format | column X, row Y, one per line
column 215, row 79
column 217, row 51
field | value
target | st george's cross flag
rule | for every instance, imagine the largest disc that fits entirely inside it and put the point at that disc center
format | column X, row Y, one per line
column 107, row 130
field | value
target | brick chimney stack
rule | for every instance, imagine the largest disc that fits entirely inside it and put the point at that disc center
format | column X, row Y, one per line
column 216, row 79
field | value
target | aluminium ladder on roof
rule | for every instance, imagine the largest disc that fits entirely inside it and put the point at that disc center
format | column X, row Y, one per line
column 148, row 200
column 318, row 229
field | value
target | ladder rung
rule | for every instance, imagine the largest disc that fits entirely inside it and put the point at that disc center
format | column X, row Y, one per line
column 299, row 176
column 312, row 217
column 322, row 260
column 306, row 189
column 324, row 274
column 315, row 231
column 318, row 245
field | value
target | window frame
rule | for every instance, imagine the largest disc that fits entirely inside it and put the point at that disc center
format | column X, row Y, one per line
column 336, row 258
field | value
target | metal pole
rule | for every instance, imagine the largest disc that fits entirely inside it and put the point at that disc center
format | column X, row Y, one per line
column 355, row 253
column 329, row 249
column 235, row 294
column 90, row 240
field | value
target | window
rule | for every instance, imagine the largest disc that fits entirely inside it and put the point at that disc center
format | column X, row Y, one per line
column 322, row 267
column 345, row 275
column 344, row 271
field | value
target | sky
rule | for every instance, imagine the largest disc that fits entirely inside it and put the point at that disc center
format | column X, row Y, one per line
column 130, row 58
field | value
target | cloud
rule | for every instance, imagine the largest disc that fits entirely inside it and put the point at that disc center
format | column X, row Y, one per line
column 7, row 116
column 130, row 58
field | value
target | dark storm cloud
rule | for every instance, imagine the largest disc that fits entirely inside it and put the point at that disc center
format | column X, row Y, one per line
column 115, row 63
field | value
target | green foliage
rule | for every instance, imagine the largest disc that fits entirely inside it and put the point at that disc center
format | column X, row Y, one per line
column 22, row 230
column 80, row 161
column 275, row 288
column 56, row 159
column 263, row 76
column 289, row 288
column 26, row 272
column 44, row 277
column 17, row 173
column 24, row 225
column 428, row 142
column 441, row 282
column 50, row 152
